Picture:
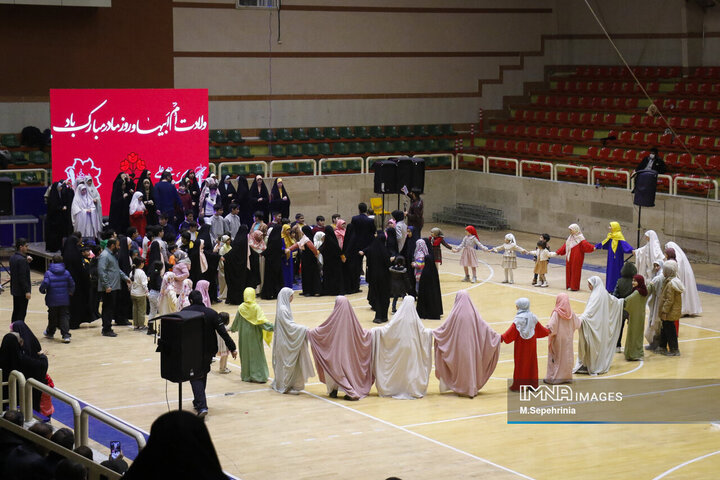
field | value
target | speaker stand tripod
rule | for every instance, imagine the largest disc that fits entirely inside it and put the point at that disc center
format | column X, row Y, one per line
column 180, row 396
column 638, row 227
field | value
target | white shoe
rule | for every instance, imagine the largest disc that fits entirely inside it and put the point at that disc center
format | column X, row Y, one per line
column 474, row 280
column 537, row 285
column 545, row 285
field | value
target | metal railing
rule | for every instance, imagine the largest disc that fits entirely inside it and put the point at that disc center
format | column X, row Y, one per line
column 324, row 161
column 460, row 156
column 374, row 158
column 13, row 171
column 226, row 165
column 597, row 170
column 665, row 176
column 95, row 470
column 536, row 162
column 16, row 379
column 714, row 183
column 89, row 411
column 297, row 160
column 566, row 166
column 437, row 155
column 503, row 159
column 31, row 384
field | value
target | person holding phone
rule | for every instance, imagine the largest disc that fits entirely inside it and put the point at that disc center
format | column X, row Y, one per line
column 212, row 324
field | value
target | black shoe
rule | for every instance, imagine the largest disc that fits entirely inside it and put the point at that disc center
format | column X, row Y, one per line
column 378, row 320
column 349, row 398
column 123, row 323
column 333, row 394
column 109, row 333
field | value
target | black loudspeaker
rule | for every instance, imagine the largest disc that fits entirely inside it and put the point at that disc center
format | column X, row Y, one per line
column 404, row 174
column 645, row 187
column 385, row 176
column 181, row 346
column 6, row 196
column 418, row 175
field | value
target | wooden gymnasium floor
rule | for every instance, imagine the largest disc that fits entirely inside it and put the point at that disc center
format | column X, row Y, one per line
column 260, row 434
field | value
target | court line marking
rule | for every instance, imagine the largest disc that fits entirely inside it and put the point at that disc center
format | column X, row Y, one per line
column 678, row 467
column 186, row 400
column 419, row 435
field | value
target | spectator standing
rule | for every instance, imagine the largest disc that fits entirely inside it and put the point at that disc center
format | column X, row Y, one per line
column 58, row 286
column 20, row 280
column 109, row 278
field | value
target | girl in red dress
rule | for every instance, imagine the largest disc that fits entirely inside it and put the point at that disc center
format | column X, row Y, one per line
column 524, row 331
column 574, row 250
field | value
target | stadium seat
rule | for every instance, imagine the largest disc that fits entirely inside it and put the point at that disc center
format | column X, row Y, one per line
column 420, row 131
column 391, row 131
column 38, row 158
column 284, row 134
column 405, row 131
column 403, row 146
column 448, row 129
column 324, row 149
column 361, row 132
column 309, row 149
column 666, row 139
column 235, row 136
column 707, row 143
column 267, row 134
column 357, row 148
column 341, row 148
column 10, row 140
column 214, row 153
column 218, row 136
column 435, row 130
column 228, row 151
column 300, row 134
column 244, row 151
column 277, row 151
column 625, row 137
column 702, row 123
column 315, row 133
column 331, row 133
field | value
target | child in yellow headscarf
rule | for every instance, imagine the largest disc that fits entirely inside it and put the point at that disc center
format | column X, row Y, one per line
column 252, row 328
column 616, row 247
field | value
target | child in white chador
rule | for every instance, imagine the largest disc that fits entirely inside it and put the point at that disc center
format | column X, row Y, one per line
column 467, row 256
column 509, row 262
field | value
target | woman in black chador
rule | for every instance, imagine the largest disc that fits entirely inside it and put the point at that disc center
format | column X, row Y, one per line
column 273, row 280
column 58, row 223
column 260, row 198
column 122, row 192
column 236, row 270
column 429, row 297
column 378, row 277
column 279, row 199
column 332, row 282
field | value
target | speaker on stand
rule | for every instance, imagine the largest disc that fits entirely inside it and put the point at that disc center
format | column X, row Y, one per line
column 385, row 180
column 6, row 197
column 181, row 347
column 405, row 177
column 645, row 189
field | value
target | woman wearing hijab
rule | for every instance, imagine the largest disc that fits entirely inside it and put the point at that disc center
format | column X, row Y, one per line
column 402, row 354
column 183, row 299
column 95, row 195
column 252, row 328
column 183, row 437
column 524, row 331
column 391, row 242
column 72, row 258
column 168, row 299
column 260, row 198
column 654, row 324
column 243, row 201
column 408, row 252
column 648, row 254
column 272, row 280
column 343, row 352
column 31, row 362
column 332, row 281
column 193, row 188
column 670, row 309
column 138, row 213
column 123, row 309
column 256, row 261
column 120, row 203
column 616, row 247
column 378, row 263
column 562, row 325
column 291, row 361
column 223, row 248
column 286, row 260
column 310, row 271
column 599, row 330
column 84, row 213
column 213, row 261
column 340, row 231
column 623, row 288
column 429, row 296
column 574, row 250
column 279, row 199
column 466, row 349
column 635, row 304
column 228, row 194
column 236, row 268
column 690, row 298
column 57, row 222
column 146, row 187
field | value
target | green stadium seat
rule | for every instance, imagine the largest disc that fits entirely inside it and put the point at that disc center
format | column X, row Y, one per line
column 391, row 131
column 448, row 130
column 373, row 148
column 218, row 136
column 405, row 131
column 445, row 161
column 361, row 132
column 341, row 148
column 306, row 167
column 18, row 158
column 315, row 133
column 39, row 158
column 278, row 151
column 432, row 145
column 324, row 149
column 416, row 146
column 377, row 132
column 257, row 169
column 331, row 133
column 445, row 145
column 431, row 162
column 289, row 168
column 346, row 132
column 300, row 134
column 401, row 146
column 340, row 166
column 309, row 149
column 235, row 136
column 244, row 152
column 267, row 134
column 293, row 150
column 329, row 166
column 228, row 151
column 284, row 134
column 357, row 148
column 214, row 153
column 435, row 130
column 420, row 131
column 386, row 147
column 10, row 140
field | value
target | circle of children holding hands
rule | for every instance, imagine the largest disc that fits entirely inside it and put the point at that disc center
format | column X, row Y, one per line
column 231, row 242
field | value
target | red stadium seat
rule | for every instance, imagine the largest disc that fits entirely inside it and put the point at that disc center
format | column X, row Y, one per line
column 604, row 153
column 542, row 132
column 691, row 88
column 556, row 150
column 552, row 132
column 533, row 148
column 671, row 160
column 666, row 139
column 693, row 142
column 592, row 153
column 700, row 161
column 610, row 118
column 707, row 143
column 687, row 123
column 629, row 158
column 638, row 138
column 585, row 102
column 710, row 106
column 651, row 139
column 696, row 106
column 702, row 123
column 713, row 165
column 518, row 114
column 568, row 149
column 531, row 131
column 714, row 124
column 685, row 160
column 551, row 117
column 574, row 118
column 588, row 134
column 617, row 155
column 572, row 102
column 636, row 120
column 683, row 105
column 562, row 117
column 586, row 118
column 521, row 147
column 625, row 136
column 544, row 149
column 704, row 89
column 652, row 87
column 564, row 134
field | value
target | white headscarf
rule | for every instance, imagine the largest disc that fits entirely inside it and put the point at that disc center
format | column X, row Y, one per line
column 600, row 329
column 290, row 355
column 649, row 254
column 690, row 298
column 136, row 205
column 525, row 320
column 510, row 237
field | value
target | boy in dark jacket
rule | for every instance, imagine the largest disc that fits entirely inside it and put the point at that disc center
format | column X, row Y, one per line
column 57, row 286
